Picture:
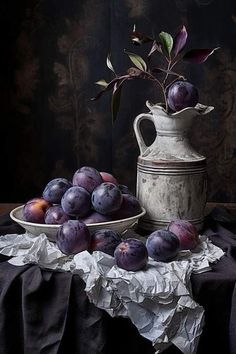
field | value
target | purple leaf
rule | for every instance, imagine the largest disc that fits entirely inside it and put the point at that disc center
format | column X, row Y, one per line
column 198, row 55
column 180, row 41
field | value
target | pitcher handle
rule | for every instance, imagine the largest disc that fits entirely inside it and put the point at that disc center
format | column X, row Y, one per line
column 142, row 146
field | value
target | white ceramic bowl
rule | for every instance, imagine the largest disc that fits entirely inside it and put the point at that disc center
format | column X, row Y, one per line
column 51, row 230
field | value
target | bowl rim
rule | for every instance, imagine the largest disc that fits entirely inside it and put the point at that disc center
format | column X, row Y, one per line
column 53, row 226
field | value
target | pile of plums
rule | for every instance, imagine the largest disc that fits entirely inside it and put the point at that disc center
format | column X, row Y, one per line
column 161, row 245
column 164, row 245
column 130, row 254
column 91, row 197
column 95, row 197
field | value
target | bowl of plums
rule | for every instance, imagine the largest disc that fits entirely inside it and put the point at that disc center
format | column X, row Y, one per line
column 91, row 201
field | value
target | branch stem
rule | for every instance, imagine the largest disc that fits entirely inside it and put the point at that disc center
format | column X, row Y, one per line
column 162, row 88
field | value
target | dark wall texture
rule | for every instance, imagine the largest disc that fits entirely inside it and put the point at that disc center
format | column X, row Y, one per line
column 52, row 52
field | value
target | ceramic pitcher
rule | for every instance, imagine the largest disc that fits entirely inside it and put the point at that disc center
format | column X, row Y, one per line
column 171, row 175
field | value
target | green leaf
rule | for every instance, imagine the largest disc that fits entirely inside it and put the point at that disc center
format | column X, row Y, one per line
column 102, row 83
column 167, row 41
column 109, row 64
column 137, row 60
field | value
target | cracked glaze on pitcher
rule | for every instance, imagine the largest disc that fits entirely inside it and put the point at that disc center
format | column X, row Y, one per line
column 171, row 175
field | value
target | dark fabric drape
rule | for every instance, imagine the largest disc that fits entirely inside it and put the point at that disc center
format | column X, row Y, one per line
column 48, row 312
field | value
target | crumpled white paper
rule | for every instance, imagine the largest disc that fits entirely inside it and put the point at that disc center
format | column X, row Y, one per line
column 157, row 300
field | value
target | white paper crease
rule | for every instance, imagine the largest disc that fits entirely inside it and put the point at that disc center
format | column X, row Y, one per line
column 157, row 300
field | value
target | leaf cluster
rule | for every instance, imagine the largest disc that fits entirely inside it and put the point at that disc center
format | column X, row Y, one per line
column 170, row 48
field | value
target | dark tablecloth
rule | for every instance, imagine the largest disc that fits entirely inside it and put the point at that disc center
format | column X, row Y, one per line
column 47, row 312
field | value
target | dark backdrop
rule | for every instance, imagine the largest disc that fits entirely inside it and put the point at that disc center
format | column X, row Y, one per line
column 52, row 52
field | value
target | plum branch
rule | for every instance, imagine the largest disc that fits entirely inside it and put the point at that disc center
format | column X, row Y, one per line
column 171, row 49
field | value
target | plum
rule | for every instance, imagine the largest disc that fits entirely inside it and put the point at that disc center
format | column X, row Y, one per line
column 130, row 206
column 76, row 201
column 131, row 254
column 34, row 210
column 162, row 245
column 55, row 189
column 87, row 177
column 73, row 237
column 107, row 177
column 106, row 198
column 124, row 189
column 55, row 215
column 95, row 218
column 105, row 240
column 182, row 94
column 186, row 233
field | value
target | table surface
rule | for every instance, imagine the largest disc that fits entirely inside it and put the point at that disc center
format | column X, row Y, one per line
column 215, row 291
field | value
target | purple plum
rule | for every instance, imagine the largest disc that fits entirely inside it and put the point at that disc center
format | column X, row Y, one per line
column 162, row 245
column 95, row 218
column 76, row 202
column 124, row 189
column 55, row 215
column 186, row 233
column 34, row 210
column 106, row 198
column 130, row 206
column 108, row 177
column 55, row 189
column 182, row 94
column 87, row 177
column 131, row 254
column 105, row 240
column 73, row 237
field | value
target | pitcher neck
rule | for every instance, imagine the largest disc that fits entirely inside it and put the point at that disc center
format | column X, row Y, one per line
column 172, row 147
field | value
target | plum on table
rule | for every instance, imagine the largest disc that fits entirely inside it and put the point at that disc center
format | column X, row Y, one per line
column 105, row 240
column 186, row 232
column 73, row 237
column 162, row 245
column 131, row 254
